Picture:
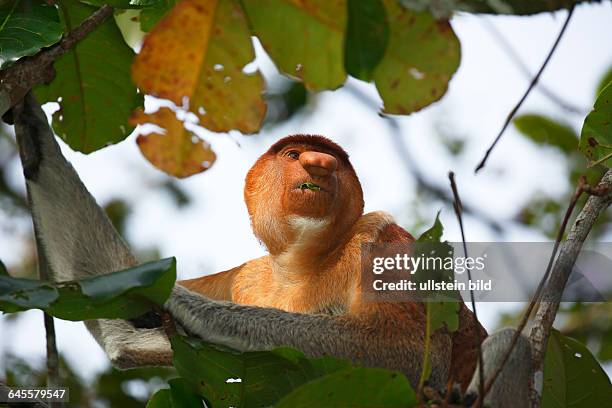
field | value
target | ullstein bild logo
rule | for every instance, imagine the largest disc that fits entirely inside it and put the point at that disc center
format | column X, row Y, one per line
column 498, row 272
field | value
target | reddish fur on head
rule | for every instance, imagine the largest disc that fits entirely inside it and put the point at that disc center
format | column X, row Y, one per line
column 277, row 204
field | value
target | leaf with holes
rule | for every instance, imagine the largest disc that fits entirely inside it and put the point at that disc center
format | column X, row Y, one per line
column 305, row 39
column 176, row 150
column 572, row 376
column 92, row 85
column 26, row 26
column 596, row 137
column 200, row 53
column 420, row 59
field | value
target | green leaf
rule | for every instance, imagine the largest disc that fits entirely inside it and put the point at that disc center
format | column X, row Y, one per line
column 124, row 294
column 304, row 39
column 353, row 387
column 419, row 61
column 150, row 16
column 101, row 288
column 572, row 376
column 444, row 314
column 439, row 314
column 161, row 399
column 604, row 81
column 309, row 186
column 93, row 85
column 18, row 294
column 26, row 26
column 3, row 271
column 255, row 378
column 183, row 395
column 596, row 137
column 367, row 35
column 434, row 233
column 546, row 131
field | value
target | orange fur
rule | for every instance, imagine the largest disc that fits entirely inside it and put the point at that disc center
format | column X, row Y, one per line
column 314, row 240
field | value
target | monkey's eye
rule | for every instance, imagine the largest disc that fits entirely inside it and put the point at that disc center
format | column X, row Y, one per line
column 294, row 154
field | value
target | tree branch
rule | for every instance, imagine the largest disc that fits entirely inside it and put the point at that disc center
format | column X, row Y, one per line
column 19, row 78
column 553, row 291
column 539, row 290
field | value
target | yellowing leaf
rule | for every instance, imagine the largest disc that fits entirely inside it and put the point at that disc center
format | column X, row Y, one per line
column 177, row 151
column 305, row 38
column 199, row 51
column 421, row 57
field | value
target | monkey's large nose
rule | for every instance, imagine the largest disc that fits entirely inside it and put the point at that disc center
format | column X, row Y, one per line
column 318, row 164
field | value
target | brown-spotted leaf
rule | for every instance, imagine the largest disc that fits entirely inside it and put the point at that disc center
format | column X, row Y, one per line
column 177, row 151
column 199, row 51
column 421, row 56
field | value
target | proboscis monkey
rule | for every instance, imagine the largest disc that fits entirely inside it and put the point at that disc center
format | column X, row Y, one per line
column 306, row 206
column 305, row 203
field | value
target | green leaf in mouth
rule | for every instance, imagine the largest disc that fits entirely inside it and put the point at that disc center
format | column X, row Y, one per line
column 309, row 186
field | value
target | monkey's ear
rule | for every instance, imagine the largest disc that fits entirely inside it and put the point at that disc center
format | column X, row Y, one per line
column 149, row 320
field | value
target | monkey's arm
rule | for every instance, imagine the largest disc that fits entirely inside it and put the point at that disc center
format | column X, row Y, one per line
column 377, row 340
column 77, row 237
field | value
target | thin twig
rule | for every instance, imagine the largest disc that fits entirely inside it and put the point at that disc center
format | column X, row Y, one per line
column 600, row 190
column 505, row 45
column 534, row 81
column 458, row 212
column 538, row 292
column 22, row 76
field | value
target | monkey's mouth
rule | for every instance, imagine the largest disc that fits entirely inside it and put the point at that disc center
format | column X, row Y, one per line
column 309, row 186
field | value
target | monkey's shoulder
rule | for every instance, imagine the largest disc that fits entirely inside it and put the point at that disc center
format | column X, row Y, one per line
column 251, row 280
column 379, row 227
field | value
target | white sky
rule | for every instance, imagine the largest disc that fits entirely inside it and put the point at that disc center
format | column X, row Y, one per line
column 213, row 234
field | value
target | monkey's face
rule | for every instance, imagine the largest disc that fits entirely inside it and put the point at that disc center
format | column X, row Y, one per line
column 310, row 180
column 302, row 177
